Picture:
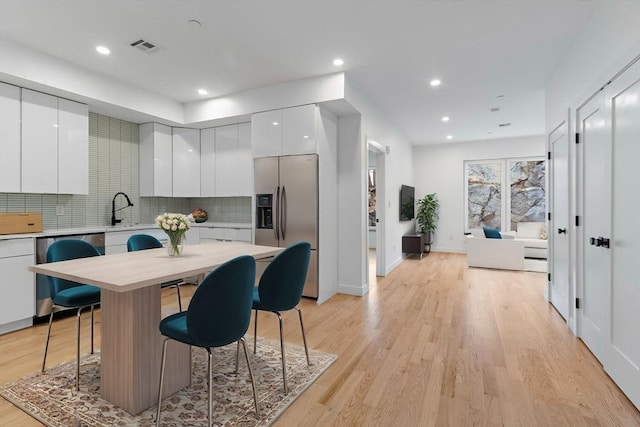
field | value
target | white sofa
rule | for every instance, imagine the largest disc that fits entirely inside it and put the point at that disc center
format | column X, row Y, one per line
column 505, row 254
column 532, row 233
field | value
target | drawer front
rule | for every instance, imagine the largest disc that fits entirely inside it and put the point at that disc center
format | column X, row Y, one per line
column 16, row 247
column 115, row 238
column 243, row 235
column 212, row 233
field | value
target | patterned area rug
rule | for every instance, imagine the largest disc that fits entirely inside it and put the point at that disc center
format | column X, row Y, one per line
column 52, row 400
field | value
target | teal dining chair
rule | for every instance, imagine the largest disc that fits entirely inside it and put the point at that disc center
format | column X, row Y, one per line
column 66, row 294
column 140, row 242
column 280, row 289
column 219, row 314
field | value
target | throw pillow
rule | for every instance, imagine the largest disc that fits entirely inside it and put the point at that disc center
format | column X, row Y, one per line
column 491, row 233
column 543, row 233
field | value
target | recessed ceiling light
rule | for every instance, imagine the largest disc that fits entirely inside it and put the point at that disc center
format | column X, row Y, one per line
column 275, row 123
column 306, row 136
column 449, row 136
column 435, row 82
column 103, row 50
column 445, row 119
column 203, row 92
column 338, row 62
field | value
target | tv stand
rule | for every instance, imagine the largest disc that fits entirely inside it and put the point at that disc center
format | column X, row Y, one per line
column 414, row 243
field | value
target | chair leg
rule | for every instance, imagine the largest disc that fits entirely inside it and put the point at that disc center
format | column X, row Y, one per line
column 78, row 350
column 92, row 306
column 237, row 357
column 253, row 381
column 162, row 363
column 304, row 338
column 210, row 394
column 179, row 299
column 284, row 360
column 46, row 346
column 255, row 331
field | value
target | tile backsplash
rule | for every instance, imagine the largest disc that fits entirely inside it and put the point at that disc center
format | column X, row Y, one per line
column 113, row 167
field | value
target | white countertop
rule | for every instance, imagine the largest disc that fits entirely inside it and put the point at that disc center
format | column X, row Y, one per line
column 107, row 229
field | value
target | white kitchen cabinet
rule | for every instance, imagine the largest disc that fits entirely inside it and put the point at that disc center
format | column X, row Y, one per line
column 115, row 242
column 245, row 161
column 186, row 162
column 207, row 162
column 298, row 130
column 39, row 142
column 226, row 161
column 225, row 234
column 285, row 132
column 266, row 133
column 156, row 160
column 17, row 284
column 73, row 147
column 9, row 138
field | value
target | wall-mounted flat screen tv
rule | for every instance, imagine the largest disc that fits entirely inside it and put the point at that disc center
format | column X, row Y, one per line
column 407, row 203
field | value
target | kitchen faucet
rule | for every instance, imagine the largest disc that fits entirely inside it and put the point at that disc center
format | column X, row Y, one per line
column 115, row 221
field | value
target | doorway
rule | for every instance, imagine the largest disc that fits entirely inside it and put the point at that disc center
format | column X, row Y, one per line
column 375, row 210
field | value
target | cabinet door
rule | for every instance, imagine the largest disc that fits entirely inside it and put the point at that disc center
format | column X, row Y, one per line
column 245, row 161
column 226, row 161
column 73, row 147
column 17, row 289
column 9, row 138
column 298, row 130
column 186, row 162
column 266, row 133
column 156, row 159
column 207, row 162
column 39, row 142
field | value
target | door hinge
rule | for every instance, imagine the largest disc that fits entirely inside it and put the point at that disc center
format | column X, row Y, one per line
column 577, row 221
column 549, row 216
column 577, row 138
column 549, row 155
column 548, row 277
column 577, row 302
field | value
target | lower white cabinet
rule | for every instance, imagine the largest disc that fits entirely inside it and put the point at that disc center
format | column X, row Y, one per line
column 115, row 242
column 225, row 234
column 17, row 284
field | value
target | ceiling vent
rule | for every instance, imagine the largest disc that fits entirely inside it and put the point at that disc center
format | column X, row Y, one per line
column 504, row 125
column 146, row 46
column 495, row 109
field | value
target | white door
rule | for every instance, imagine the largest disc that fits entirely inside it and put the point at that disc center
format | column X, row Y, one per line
column 623, row 357
column 595, row 189
column 559, row 284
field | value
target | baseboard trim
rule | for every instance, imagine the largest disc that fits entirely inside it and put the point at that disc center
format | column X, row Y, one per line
column 353, row 290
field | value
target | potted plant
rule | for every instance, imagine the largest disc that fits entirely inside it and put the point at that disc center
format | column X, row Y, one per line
column 427, row 217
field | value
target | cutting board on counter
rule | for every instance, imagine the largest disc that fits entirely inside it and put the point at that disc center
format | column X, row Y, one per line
column 20, row 222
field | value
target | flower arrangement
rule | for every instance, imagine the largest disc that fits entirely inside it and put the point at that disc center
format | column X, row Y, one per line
column 175, row 225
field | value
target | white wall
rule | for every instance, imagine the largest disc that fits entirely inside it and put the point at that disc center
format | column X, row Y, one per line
column 440, row 169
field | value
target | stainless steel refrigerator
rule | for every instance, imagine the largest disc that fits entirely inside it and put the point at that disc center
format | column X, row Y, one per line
column 286, row 206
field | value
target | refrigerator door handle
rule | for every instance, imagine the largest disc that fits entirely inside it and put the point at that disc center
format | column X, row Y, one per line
column 283, row 213
column 276, row 230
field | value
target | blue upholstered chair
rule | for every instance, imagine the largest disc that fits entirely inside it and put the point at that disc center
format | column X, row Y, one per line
column 140, row 242
column 219, row 314
column 280, row 289
column 68, row 294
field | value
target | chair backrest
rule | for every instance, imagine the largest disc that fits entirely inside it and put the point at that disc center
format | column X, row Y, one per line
column 139, row 242
column 220, row 310
column 64, row 250
column 282, row 282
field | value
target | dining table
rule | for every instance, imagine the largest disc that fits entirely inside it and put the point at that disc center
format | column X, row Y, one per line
column 130, row 305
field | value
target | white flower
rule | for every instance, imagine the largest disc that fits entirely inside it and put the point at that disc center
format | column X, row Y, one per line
column 174, row 227
column 182, row 226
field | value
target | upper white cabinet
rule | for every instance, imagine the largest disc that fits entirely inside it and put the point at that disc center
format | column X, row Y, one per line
column 156, row 160
column 73, row 147
column 55, row 145
column 245, row 161
column 9, row 138
column 186, row 162
column 266, row 133
column 207, row 162
column 39, row 142
column 284, row 132
column 226, row 161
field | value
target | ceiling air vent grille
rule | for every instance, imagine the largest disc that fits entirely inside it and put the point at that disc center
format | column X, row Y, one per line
column 504, row 125
column 146, row 46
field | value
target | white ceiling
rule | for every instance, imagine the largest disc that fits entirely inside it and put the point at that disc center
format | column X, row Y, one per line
column 392, row 49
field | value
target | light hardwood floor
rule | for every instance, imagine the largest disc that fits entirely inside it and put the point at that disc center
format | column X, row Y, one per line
column 434, row 343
